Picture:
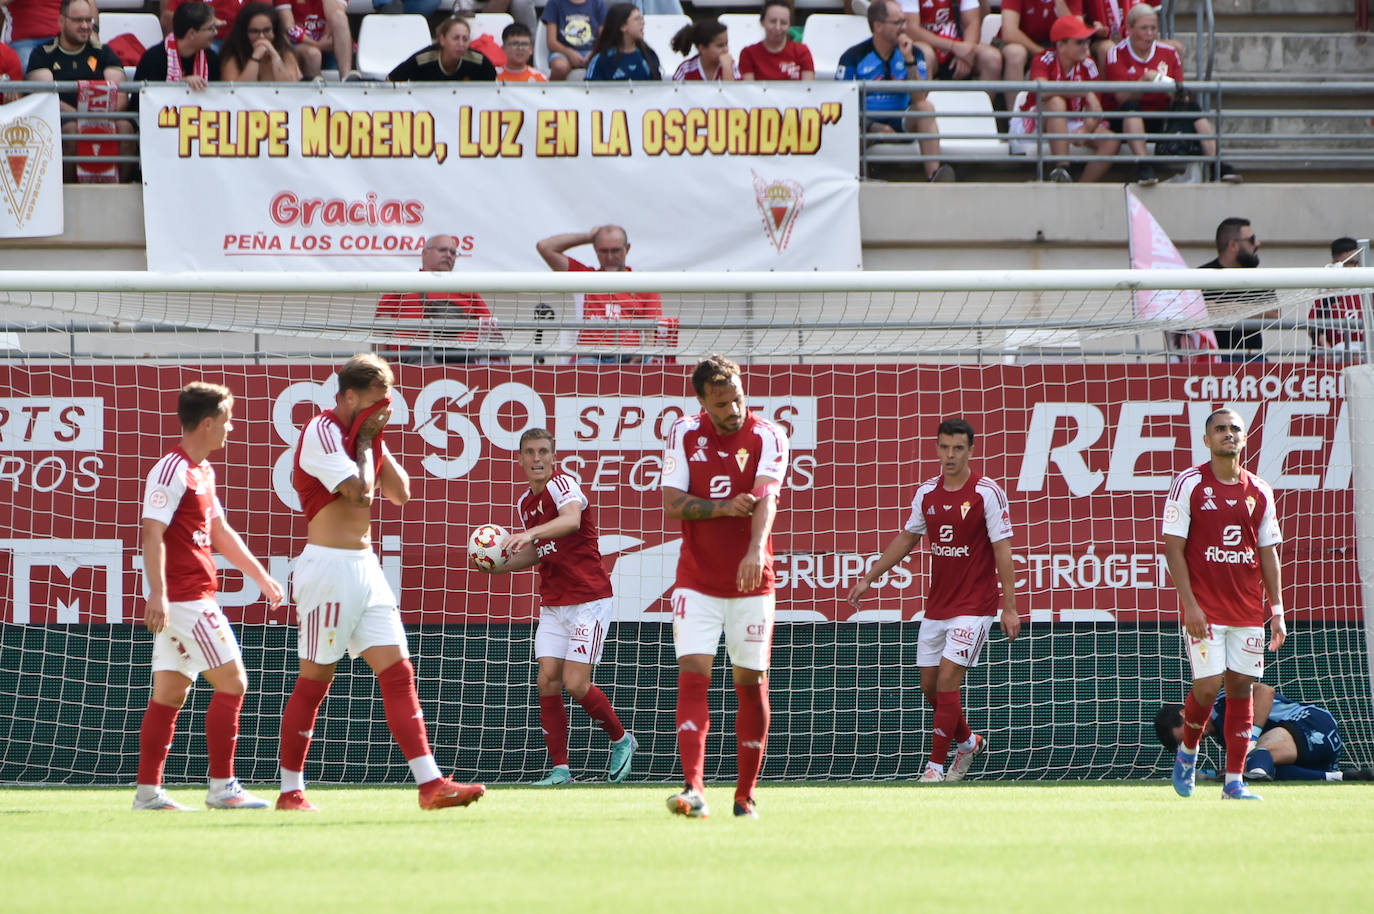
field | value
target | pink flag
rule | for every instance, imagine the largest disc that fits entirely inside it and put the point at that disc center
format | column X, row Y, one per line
column 1151, row 249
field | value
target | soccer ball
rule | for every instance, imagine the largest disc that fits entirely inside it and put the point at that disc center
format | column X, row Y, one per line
column 487, row 546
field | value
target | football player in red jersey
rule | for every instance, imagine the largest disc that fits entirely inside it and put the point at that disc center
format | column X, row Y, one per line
column 343, row 601
column 722, row 471
column 183, row 526
column 964, row 514
column 1221, row 537
column 577, row 606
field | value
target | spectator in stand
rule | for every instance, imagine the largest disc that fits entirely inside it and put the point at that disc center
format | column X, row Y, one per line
column 31, row 23
column 1069, row 62
column 891, row 55
column 1026, row 28
column 257, row 49
column 449, row 59
column 777, row 56
column 316, row 28
column 226, row 14
column 439, row 256
column 612, row 246
column 1238, row 248
column 518, row 44
column 1339, row 344
column 948, row 33
column 572, row 27
column 185, row 54
column 11, row 70
column 1143, row 57
column 76, row 54
column 620, row 52
column 712, row 62
column 1108, row 19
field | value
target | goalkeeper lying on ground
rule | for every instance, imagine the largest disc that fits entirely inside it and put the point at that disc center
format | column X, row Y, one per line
column 1290, row 740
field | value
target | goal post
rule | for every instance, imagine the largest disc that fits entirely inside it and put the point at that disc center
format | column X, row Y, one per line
column 1082, row 412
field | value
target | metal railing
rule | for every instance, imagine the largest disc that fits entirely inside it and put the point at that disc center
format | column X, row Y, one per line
column 1316, row 146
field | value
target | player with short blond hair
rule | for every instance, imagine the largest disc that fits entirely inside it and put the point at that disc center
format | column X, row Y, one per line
column 966, row 519
column 722, row 471
column 577, row 606
column 1221, row 538
column 183, row 526
column 343, row 601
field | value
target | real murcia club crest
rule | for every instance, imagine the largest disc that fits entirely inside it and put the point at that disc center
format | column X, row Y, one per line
column 963, row 509
column 780, row 203
column 742, row 458
column 1249, row 504
column 25, row 154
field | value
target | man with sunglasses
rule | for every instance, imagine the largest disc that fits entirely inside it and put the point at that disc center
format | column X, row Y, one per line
column 1238, row 248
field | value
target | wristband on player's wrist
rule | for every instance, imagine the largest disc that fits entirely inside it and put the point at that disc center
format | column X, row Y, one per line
column 1276, row 610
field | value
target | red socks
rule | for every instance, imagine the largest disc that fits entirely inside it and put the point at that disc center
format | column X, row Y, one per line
column 403, row 715
column 154, row 741
column 949, row 714
column 598, row 708
column 1240, row 715
column 298, row 721
column 751, row 735
column 553, row 719
column 222, row 732
column 1195, row 719
column 693, row 720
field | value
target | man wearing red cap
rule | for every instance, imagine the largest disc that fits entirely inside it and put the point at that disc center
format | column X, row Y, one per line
column 1077, row 112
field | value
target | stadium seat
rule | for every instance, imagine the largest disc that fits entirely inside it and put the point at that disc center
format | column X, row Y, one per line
column 489, row 24
column 745, row 29
column 658, row 33
column 541, row 49
column 992, row 24
column 981, row 137
column 133, row 6
column 384, row 41
column 829, row 35
column 143, row 26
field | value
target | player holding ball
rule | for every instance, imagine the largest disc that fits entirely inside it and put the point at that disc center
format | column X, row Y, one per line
column 722, row 471
column 577, row 606
column 343, row 601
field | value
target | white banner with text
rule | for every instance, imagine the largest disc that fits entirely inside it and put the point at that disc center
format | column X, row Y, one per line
column 744, row 176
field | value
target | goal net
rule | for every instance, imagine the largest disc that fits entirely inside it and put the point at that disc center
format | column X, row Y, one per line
column 1088, row 391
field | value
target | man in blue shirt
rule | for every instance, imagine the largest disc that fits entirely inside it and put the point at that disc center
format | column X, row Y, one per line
column 1294, row 741
column 890, row 55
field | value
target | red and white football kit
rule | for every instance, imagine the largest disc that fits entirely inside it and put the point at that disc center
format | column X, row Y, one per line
column 1124, row 66
column 789, row 63
column 964, row 597
column 1225, row 526
column 343, row 601
column 197, row 636
column 1038, row 16
column 706, row 601
column 1048, row 67
column 690, row 71
column 574, row 588
column 943, row 17
column 309, row 16
column 613, row 306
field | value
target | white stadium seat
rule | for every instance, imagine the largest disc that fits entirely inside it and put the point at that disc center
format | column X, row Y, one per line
column 828, row 36
column 489, row 24
column 658, row 33
column 384, row 41
column 133, row 6
column 981, row 137
column 992, row 24
column 745, row 29
column 143, row 26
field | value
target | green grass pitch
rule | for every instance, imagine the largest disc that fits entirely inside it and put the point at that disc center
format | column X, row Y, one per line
column 975, row 847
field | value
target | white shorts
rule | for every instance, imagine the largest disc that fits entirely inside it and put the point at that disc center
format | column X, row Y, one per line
column 1239, row 648
column 576, row 632
column 1023, row 134
column 960, row 640
column 197, row 638
column 343, row 602
column 698, row 621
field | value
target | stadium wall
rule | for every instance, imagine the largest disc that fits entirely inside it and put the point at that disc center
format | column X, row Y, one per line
column 905, row 226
